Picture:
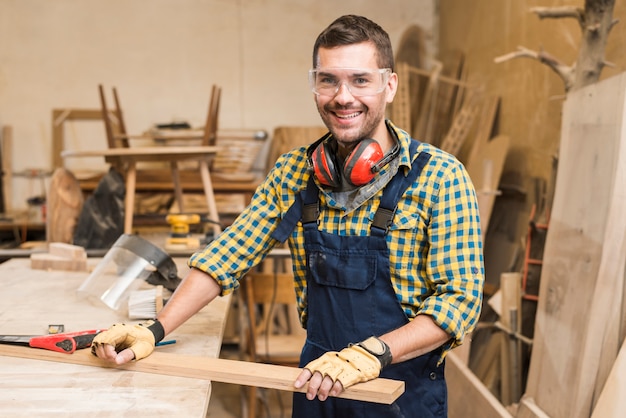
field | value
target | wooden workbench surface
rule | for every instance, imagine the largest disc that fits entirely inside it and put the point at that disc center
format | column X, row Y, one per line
column 30, row 300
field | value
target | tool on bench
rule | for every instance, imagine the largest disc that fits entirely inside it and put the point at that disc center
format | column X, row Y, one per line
column 63, row 343
column 180, row 236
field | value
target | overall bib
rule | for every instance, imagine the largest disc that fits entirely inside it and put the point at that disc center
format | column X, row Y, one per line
column 350, row 298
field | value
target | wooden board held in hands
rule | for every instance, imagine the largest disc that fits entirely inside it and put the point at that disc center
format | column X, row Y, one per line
column 220, row 370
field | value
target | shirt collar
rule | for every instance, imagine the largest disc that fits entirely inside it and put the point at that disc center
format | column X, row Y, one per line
column 405, row 142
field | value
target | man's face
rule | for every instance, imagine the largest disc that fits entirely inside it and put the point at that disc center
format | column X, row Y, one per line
column 348, row 115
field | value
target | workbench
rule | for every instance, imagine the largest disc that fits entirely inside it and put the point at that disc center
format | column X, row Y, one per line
column 30, row 300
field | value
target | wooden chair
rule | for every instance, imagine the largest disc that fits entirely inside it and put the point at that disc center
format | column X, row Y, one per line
column 124, row 157
column 206, row 136
column 271, row 331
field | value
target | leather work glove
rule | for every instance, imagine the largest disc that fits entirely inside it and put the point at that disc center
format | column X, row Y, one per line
column 140, row 338
column 354, row 364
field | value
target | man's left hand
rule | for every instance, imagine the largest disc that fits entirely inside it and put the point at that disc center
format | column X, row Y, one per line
column 335, row 371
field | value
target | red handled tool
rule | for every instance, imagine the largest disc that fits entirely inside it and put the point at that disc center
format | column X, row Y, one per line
column 63, row 343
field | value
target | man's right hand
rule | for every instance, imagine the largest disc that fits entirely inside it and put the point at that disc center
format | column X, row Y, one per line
column 122, row 343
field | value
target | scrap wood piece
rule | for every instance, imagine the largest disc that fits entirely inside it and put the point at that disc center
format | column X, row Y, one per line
column 485, row 170
column 60, row 256
column 486, row 122
column 468, row 397
column 424, row 121
column 592, row 127
column 612, row 403
column 6, row 163
column 453, row 65
column 601, row 341
column 64, row 203
column 401, row 107
column 47, row 261
column 268, row 376
column 411, row 51
column 462, row 123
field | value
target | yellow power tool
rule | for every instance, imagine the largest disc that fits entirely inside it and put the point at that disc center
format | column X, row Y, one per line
column 180, row 237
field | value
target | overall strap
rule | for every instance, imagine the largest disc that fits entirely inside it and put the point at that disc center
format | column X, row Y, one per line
column 383, row 217
column 306, row 207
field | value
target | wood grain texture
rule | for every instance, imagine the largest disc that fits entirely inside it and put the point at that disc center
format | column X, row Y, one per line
column 612, row 403
column 32, row 299
column 485, row 170
column 566, row 343
column 220, row 370
column 467, row 395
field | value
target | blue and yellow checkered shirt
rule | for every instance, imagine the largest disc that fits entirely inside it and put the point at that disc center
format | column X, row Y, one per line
column 435, row 240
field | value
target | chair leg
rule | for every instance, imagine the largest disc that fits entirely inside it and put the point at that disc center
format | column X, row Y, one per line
column 210, row 196
column 129, row 200
column 252, row 391
column 178, row 190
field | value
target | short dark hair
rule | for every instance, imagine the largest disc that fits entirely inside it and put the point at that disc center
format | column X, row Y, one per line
column 351, row 29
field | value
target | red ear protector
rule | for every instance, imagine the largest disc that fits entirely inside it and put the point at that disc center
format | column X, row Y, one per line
column 359, row 168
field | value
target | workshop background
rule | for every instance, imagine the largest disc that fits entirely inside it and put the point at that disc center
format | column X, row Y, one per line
column 164, row 57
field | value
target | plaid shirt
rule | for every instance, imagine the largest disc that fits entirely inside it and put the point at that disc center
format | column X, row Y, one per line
column 435, row 241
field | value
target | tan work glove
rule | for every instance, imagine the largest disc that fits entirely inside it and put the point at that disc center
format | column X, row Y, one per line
column 354, row 364
column 140, row 338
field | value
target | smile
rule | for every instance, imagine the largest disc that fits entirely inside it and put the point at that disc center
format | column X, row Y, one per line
column 347, row 116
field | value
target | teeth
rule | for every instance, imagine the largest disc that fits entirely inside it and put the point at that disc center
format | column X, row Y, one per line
column 353, row 115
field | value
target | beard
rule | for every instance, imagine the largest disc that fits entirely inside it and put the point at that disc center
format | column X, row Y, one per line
column 370, row 119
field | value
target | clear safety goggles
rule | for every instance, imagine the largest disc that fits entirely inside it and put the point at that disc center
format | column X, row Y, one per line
column 359, row 81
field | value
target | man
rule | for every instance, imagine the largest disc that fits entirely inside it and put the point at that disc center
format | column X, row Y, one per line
column 385, row 240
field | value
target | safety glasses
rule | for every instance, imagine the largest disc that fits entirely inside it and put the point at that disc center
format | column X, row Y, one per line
column 359, row 81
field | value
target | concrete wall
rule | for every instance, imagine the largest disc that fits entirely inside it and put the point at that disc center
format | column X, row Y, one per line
column 163, row 56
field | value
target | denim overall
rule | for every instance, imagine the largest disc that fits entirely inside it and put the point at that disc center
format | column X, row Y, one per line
column 350, row 298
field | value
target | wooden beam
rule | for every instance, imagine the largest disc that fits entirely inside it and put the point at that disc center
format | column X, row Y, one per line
column 510, row 357
column 220, row 370
column 7, row 167
column 583, row 260
column 612, row 403
column 467, row 396
column 485, row 169
column 601, row 344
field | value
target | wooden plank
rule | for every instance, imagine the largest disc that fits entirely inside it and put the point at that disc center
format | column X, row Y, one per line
column 65, row 250
column 411, row 50
column 467, row 396
column 149, row 153
column 46, row 261
column 421, row 126
column 510, row 351
column 601, row 342
column 576, row 240
column 486, row 121
column 7, row 167
column 530, row 409
column 485, row 169
column 220, row 370
column 462, row 123
column 612, row 402
column 401, row 108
